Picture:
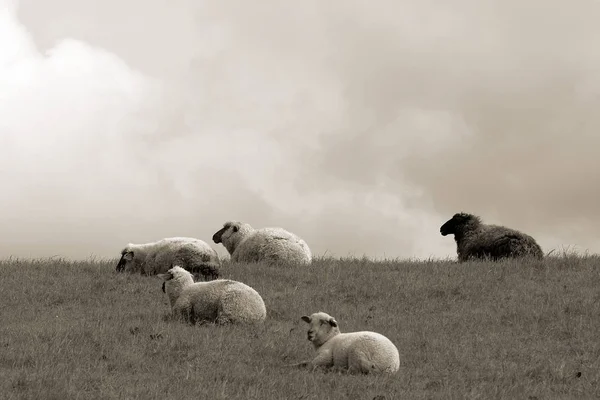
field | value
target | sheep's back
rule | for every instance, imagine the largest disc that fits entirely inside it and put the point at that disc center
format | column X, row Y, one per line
column 224, row 299
column 365, row 350
column 203, row 298
column 242, row 303
column 273, row 245
column 496, row 242
column 191, row 255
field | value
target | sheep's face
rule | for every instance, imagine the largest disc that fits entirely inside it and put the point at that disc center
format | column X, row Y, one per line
column 232, row 233
column 321, row 328
column 127, row 260
column 174, row 280
column 456, row 223
column 165, row 277
column 229, row 228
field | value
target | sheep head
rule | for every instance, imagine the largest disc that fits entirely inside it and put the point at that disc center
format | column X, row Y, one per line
column 322, row 327
column 126, row 262
column 231, row 234
column 458, row 223
column 174, row 280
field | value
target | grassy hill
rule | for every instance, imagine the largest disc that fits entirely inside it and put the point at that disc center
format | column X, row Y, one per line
column 480, row 330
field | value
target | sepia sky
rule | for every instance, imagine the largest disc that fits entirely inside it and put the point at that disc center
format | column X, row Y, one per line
column 362, row 126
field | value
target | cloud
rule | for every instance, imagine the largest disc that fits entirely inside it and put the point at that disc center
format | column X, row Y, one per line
column 361, row 127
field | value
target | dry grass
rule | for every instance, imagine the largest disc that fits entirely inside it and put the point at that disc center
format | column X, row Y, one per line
column 515, row 329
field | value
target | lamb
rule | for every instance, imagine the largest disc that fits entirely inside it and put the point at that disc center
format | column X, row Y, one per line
column 270, row 245
column 157, row 257
column 220, row 301
column 475, row 240
column 355, row 352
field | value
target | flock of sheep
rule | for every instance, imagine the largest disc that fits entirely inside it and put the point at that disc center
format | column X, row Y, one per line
column 189, row 269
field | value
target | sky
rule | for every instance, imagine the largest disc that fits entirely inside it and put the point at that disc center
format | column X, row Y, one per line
column 361, row 126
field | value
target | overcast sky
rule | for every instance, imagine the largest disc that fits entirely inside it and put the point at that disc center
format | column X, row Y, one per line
column 362, row 126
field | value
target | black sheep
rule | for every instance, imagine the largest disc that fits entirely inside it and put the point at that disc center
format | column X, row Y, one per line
column 476, row 240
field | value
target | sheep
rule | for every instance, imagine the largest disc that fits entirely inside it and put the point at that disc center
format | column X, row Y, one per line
column 355, row 352
column 476, row 240
column 270, row 245
column 220, row 301
column 152, row 258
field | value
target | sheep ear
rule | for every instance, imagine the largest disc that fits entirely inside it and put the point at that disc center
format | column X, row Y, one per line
column 306, row 319
column 332, row 322
column 128, row 256
column 236, row 228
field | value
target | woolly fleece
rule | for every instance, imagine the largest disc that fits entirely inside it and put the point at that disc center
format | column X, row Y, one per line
column 157, row 257
column 271, row 245
column 475, row 239
column 220, row 301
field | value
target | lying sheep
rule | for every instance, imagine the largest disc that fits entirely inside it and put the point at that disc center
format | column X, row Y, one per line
column 477, row 240
column 270, row 245
column 194, row 255
column 220, row 301
column 356, row 352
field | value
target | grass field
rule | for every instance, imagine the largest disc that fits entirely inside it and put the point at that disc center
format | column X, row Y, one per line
column 480, row 330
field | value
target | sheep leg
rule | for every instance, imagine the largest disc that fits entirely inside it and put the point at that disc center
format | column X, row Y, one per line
column 311, row 365
column 302, row 364
column 322, row 360
column 358, row 362
column 185, row 314
column 222, row 320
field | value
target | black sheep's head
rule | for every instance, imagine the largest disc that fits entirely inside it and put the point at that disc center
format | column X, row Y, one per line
column 457, row 223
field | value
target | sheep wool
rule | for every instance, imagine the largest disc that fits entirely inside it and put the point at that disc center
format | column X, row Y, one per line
column 476, row 240
column 270, row 245
column 157, row 257
column 220, row 301
column 356, row 352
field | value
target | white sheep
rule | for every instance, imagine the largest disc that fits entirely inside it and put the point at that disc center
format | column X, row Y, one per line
column 220, row 301
column 356, row 352
column 270, row 245
column 157, row 257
